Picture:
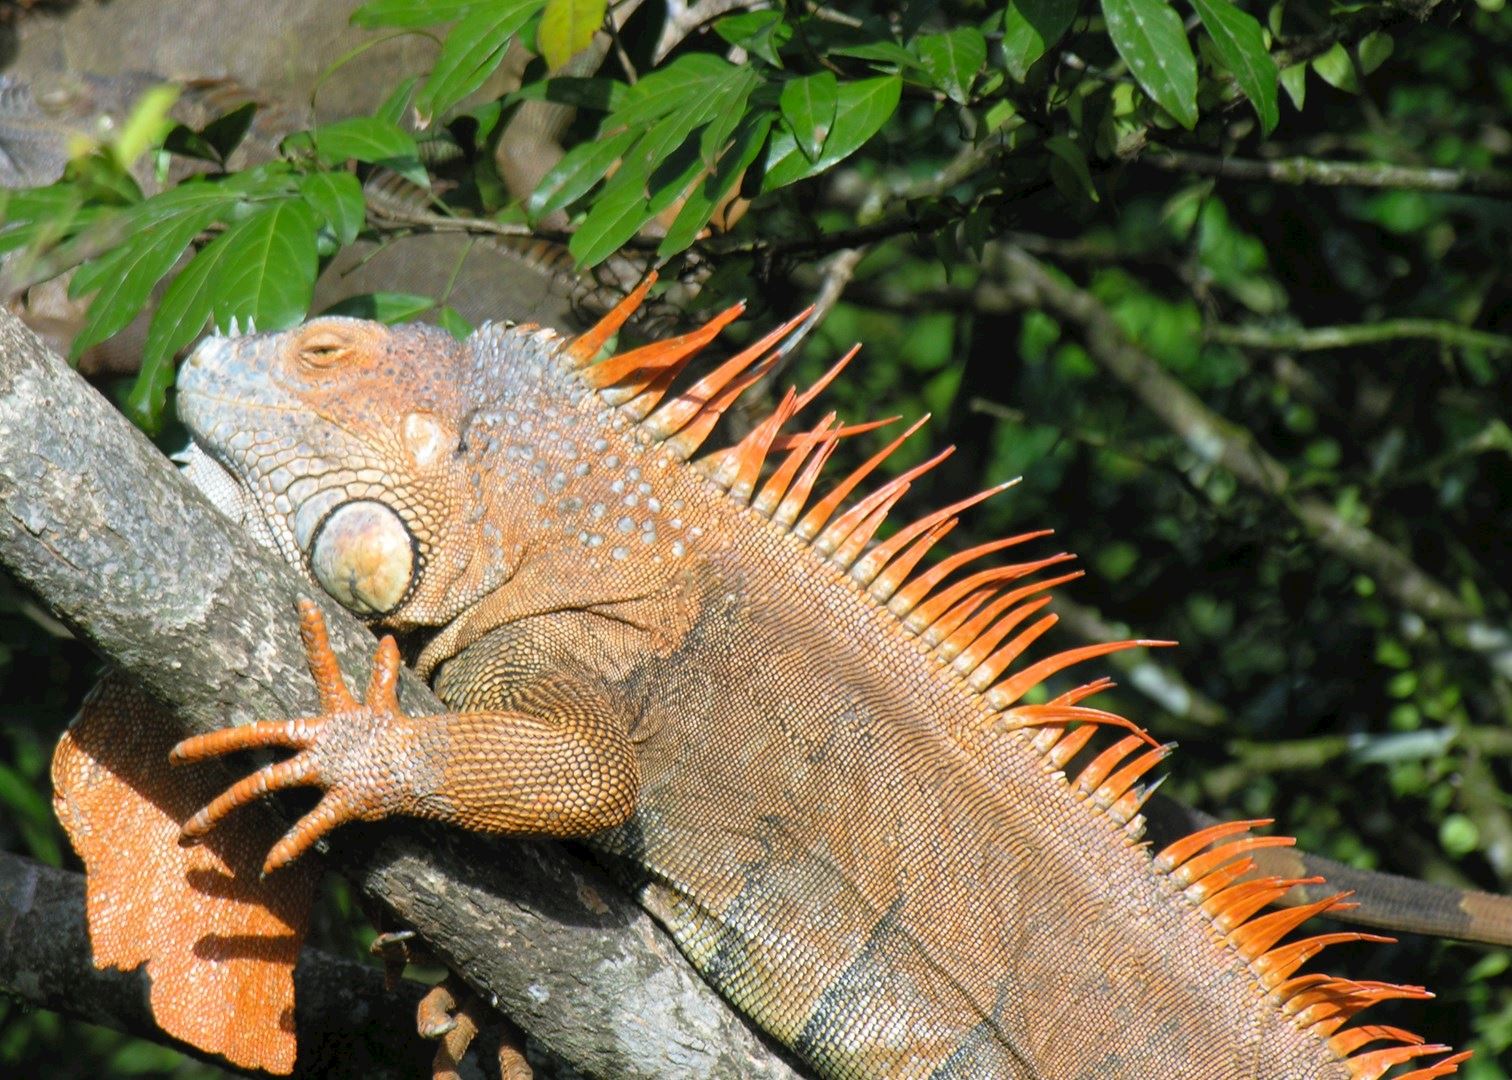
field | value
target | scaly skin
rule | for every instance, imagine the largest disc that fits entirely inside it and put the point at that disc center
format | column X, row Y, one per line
column 871, row 851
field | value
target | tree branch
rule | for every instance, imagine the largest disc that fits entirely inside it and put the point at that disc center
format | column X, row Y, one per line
column 1305, row 170
column 98, row 524
column 348, row 1025
column 1318, row 338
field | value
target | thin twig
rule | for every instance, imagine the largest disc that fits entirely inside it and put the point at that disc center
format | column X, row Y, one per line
column 1319, row 338
column 1317, row 171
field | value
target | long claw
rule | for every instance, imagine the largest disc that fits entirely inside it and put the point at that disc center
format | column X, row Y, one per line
column 292, row 734
column 295, row 772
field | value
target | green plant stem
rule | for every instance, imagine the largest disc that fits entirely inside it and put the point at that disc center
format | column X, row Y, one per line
column 1319, row 338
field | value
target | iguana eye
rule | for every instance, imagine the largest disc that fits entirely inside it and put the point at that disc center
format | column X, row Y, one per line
column 324, row 350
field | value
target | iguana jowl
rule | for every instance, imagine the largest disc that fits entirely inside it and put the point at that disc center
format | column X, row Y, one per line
column 814, row 755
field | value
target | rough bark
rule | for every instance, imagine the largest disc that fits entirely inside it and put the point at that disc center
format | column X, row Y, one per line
column 99, row 525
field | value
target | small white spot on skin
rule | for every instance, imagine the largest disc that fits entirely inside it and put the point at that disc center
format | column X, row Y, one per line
column 654, row 505
column 594, row 540
column 620, row 553
column 634, row 474
column 617, row 487
column 678, row 548
column 612, row 461
column 631, row 500
column 643, row 487
column 581, row 468
column 624, row 525
column 597, row 511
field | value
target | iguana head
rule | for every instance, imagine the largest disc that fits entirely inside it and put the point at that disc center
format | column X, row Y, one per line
column 343, row 444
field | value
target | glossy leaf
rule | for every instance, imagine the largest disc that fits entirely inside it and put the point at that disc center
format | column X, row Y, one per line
column 1070, row 158
column 686, row 82
column 760, row 33
column 808, row 109
column 268, row 273
column 472, row 51
column 1149, row 36
column 337, row 198
column 567, row 27
column 1030, row 27
column 706, row 196
column 125, row 277
column 616, row 216
column 1240, row 43
column 574, row 176
column 953, row 60
column 369, row 139
column 861, row 108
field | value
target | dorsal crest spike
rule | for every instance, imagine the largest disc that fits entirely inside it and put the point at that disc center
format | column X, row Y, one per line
column 586, row 345
column 816, row 518
column 1017, row 685
column 637, row 368
column 873, row 562
column 843, row 526
column 908, row 598
column 974, row 642
column 698, row 398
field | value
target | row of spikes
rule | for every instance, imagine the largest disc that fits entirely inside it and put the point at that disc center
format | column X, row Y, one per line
column 1211, row 868
column 965, row 624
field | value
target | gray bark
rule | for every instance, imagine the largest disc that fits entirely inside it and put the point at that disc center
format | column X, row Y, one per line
column 98, row 524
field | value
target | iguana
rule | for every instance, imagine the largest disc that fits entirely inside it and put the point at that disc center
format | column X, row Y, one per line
column 813, row 757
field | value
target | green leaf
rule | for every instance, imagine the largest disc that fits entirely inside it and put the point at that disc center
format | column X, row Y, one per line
column 572, row 177
column 180, row 317
column 410, row 13
column 808, row 108
column 883, row 52
column 1336, row 68
column 760, row 33
column 686, row 82
column 1074, row 178
column 861, row 108
column 385, row 307
column 453, row 323
column 398, row 100
column 1374, row 49
column 1030, row 27
column 953, row 60
column 269, row 272
column 706, row 196
column 1241, row 46
column 226, row 132
column 124, row 278
column 1294, row 80
column 616, row 216
column 567, row 26
column 473, row 49
column 378, row 142
column 1149, row 36
column 336, row 197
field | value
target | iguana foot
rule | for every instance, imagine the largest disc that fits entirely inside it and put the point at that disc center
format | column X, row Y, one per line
column 345, row 750
column 440, row 1016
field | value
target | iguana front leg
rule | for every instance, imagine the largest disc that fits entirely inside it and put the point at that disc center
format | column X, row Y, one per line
column 567, row 772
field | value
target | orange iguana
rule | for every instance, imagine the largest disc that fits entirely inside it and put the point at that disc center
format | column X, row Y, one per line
column 813, row 756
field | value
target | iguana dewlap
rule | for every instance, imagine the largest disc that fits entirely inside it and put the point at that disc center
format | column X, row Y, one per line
column 813, row 755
